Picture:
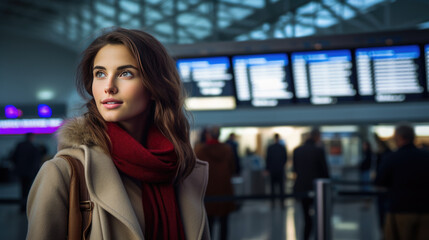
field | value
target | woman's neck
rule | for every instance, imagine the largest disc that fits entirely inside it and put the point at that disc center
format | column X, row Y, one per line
column 137, row 128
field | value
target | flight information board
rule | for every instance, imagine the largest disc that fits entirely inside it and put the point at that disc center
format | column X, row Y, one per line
column 262, row 80
column 208, row 82
column 427, row 65
column 389, row 74
column 323, row 77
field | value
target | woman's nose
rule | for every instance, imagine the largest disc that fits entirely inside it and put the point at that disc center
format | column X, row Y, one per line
column 111, row 87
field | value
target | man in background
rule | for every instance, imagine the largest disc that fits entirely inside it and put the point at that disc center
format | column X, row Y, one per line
column 309, row 163
column 405, row 175
column 27, row 162
column 221, row 161
column 232, row 142
column 275, row 166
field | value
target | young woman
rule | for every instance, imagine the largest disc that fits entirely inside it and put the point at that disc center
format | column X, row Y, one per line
column 140, row 170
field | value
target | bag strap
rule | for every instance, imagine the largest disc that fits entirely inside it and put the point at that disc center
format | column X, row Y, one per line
column 80, row 205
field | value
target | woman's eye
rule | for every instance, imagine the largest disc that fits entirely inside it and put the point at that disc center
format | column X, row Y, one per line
column 99, row 75
column 126, row 74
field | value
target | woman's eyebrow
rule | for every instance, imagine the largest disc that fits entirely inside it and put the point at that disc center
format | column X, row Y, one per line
column 126, row 66
column 99, row 67
column 118, row 68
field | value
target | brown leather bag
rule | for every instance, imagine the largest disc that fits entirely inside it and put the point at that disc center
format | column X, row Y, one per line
column 80, row 206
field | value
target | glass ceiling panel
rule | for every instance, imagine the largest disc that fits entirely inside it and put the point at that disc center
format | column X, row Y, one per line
column 181, row 6
column 153, row 1
column 348, row 13
column 125, row 17
column 86, row 14
column 325, row 21
column 133, row 23
column 129, row 6
column 250, row 3
column 364, row 5
column 308, row 8
column 301, row 31
column 195, row 18
column 164, row 28
column 152, row 16
column 167, row 7
column 105, row 9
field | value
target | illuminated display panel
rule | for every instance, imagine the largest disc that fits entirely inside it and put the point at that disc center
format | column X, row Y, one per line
column 208, row 82
column 30, row 111
column 23, row 126
column 389, row 74
column 262, row 80
column 427, row 65
column 323, row 77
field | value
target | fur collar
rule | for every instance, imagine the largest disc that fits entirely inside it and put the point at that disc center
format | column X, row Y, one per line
column 73, row 133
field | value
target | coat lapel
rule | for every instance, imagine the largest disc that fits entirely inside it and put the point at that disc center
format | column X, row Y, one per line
column 107, row 190
column 191, row 201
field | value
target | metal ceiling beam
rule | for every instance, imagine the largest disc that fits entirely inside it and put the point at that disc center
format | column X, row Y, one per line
column 367, row 17
column 416, row 12
column 237, row 5
column 340, row 19
column 269, row 14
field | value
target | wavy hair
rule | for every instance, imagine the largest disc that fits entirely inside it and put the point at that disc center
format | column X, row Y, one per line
column 160, row 78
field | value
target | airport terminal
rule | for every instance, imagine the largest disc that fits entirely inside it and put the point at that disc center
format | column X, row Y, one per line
column 339, row 89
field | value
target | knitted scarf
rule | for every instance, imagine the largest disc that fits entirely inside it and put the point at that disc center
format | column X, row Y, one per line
column 155, row 166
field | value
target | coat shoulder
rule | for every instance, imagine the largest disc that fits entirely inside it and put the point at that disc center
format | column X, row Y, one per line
column 201, row 164
column 73, row 133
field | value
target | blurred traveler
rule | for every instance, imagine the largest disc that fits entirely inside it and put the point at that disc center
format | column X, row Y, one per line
column 366, row 163
column 27, row 162
column 309, row 163
column 335, row 156
column 232, row 141
column 253, row 161
column 141, row 173
column 275, row 165
column 252, row 173
column 44, row 156
column 221, row 161
column 201, row 137
column 404, row 174
column 383, row 150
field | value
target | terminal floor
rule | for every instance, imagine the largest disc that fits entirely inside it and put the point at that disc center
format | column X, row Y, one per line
column 256, row 219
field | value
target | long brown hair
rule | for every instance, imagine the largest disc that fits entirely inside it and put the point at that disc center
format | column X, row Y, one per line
column 162, row 81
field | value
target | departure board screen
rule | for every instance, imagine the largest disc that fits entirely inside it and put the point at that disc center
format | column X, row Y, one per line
column 208, row 82
column 262, row 80
column 389, row 74
column 323, row 77
column 427, row 65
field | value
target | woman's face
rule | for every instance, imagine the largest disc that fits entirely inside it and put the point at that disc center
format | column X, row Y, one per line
column 117, row 86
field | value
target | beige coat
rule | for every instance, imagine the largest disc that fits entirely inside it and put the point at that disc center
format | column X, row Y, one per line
column 118, row 210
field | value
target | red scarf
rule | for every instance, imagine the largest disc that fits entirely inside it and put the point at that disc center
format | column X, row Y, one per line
column 155, row 166
column 212, row 141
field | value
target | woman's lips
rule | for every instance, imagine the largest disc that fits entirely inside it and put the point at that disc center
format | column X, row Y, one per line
column 111, row 103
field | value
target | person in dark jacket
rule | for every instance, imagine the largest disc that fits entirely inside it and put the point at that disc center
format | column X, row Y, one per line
column 365, row 164
column 27, row 161
column 221, row 161
column 276, row 160
column 232, row 142
column 404, row 174
column 383, row 150
column 309, row 163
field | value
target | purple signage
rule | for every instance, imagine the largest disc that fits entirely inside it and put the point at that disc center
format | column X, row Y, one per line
column 12, row 112
column 44, row 111
column 23, row 126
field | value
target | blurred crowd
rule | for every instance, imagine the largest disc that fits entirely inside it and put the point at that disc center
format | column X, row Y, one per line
column 395, row 167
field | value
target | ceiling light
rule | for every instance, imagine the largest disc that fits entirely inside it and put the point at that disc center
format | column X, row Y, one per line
column 45, row 95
